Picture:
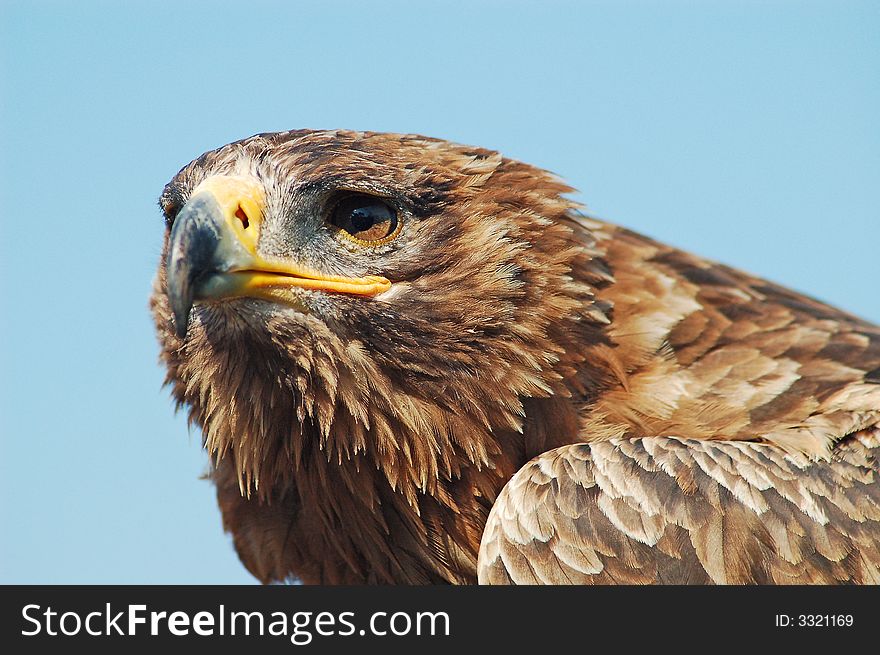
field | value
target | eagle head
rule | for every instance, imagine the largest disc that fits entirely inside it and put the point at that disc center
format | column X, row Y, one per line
column 332, row 305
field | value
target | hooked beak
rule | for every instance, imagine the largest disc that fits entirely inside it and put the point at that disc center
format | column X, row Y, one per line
column 212, row 253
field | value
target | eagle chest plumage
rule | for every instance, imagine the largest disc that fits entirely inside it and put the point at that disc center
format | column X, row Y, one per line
column 415, row 362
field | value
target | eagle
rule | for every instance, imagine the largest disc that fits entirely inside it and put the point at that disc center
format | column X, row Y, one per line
column 419, row 362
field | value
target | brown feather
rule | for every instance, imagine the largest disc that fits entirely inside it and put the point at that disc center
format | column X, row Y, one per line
column 651, row 416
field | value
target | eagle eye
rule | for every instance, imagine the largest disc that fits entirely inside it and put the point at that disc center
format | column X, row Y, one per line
column 365, row 219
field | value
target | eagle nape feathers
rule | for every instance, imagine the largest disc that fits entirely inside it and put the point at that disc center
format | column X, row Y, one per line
column 417, row 362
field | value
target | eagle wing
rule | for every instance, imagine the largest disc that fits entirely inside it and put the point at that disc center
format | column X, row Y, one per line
column 677, row 511
column 741, row 445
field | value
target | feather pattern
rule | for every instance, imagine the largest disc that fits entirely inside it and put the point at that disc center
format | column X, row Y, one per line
column 670, row 510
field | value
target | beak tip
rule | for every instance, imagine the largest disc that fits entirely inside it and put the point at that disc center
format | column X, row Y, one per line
column 181, row 324
column 180, row 299
column 180, row 307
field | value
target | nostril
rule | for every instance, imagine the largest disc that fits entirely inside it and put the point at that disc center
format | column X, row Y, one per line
column 240, row 215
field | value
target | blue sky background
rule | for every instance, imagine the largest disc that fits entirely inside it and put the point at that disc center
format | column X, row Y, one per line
column 744, row 131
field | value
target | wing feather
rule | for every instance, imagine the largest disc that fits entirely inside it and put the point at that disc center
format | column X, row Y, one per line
column 687, row 511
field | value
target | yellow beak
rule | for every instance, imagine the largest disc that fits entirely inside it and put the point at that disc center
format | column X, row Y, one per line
column 213, row 253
